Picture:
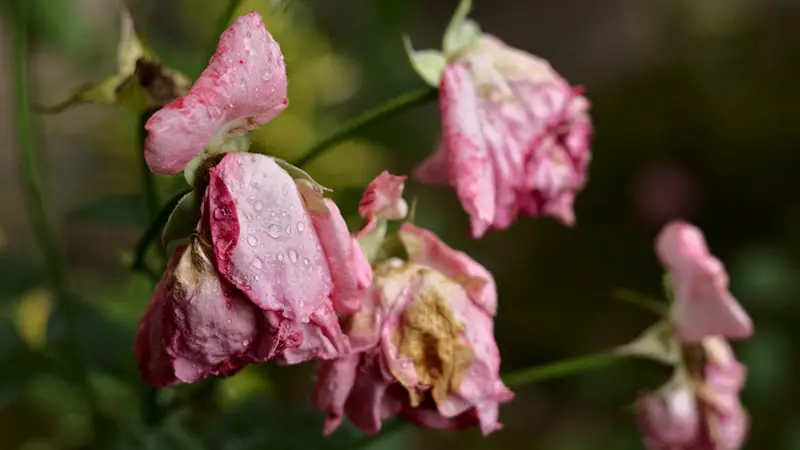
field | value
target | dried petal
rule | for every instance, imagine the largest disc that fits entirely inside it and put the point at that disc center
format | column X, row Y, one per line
column 383, row 200
column 243, row 87
column 703, row 304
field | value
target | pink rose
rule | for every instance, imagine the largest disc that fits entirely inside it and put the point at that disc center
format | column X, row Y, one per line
column 703, row 304
column 243, row 87
column 700, row 408
column 516, row 136
column 263, row 278
column 422, row 342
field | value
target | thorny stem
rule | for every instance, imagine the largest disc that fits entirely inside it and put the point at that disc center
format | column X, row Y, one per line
column 390, row 108
column 148, row 181
column 32, row 185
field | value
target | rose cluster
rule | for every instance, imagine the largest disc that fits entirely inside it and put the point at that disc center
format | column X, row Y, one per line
column 399, row 322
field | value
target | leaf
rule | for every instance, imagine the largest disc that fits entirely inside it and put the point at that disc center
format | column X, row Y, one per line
column 18, row 276
column 298, row 173
column 183, row 219
column 461, row 32
column 115, row 210
column 429, row 64
column 212, row 154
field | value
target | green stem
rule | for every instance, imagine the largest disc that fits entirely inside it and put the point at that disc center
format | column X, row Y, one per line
column 151, row 235
column 148, row 180
column 641, row 300
column 32, row 185
column 562, row 368
column 381, row 112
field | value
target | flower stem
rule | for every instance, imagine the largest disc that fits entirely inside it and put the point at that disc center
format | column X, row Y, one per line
column 641, row 300
column 43, row 230
column 151, row 235
column 148, row 180
column 562, row 368
column 390, row 108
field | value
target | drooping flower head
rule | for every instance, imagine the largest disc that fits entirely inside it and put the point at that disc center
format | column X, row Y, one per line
column 243, row 87
column 699, row 408
column 515, row 133
column 269, row 261
column 263, row 278
column 423, row 344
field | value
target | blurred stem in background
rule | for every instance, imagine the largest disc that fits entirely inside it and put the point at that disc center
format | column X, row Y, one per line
column 562, row 368
column 44, row 232
column 386, row 110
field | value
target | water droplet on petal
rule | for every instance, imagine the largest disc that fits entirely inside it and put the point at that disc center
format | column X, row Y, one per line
column 229, row 321
column 258, row 206
column 219, row 214
column 274, row 230
column 280, row 256
column 240, row 161
column 300, row 227
column 245, row 343
column 306, row 261
column 248, row 215
column 288, row 230
column 214, row 112
column 252, row 241
column 293, row 256
column 265, row 77
column 257, row 263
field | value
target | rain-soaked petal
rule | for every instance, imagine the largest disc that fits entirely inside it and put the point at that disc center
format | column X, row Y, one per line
column 243, row 87
column 264, row 239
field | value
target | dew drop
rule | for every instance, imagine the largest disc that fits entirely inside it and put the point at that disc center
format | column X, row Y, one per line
column 293, row 255
column 245, row 343
column 288, row 230
column 252, row 241
column 219, row 214
column 283, row 214
column 300, row 227
column 240, row 161
column 265, row 77
column 229, row 321
column 257, row 263
column 280, row 256
column 258, row 206
column 306, row 261
column 214, row 112
column 248, row 215
column 274, row 230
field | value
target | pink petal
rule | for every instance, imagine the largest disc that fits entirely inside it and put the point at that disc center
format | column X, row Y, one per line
column 339, row 252
column 383, row 198
column 322, row 338
column 468, row 161
column 703, row 304
column 424, row 247
column 264, row 239
column 335, row 380
column 203, row 327
column 243, row 87
column 669, row 419
column 372, row 400
column 433, row 170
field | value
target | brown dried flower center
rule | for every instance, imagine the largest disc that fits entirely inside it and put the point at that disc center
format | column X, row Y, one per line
column 430, row 335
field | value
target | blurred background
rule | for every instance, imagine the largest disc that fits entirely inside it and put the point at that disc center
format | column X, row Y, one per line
column 692, row 103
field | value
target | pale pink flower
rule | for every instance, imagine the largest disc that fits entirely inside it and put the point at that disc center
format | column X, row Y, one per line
column 243, row 87
column 423, row 345
column 700, row 408
column 703, row 305
column 515, row 136
column 263, row 278
column 382, row 200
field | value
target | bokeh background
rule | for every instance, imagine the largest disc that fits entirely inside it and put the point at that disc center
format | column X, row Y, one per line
column 695, row 107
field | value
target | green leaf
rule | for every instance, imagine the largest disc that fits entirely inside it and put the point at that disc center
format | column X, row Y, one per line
column 298, row 173
column 461, row 32
column 115, row 210
column 183, row 219
column 213, row 149
column 18, row 276
column 429, row 64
